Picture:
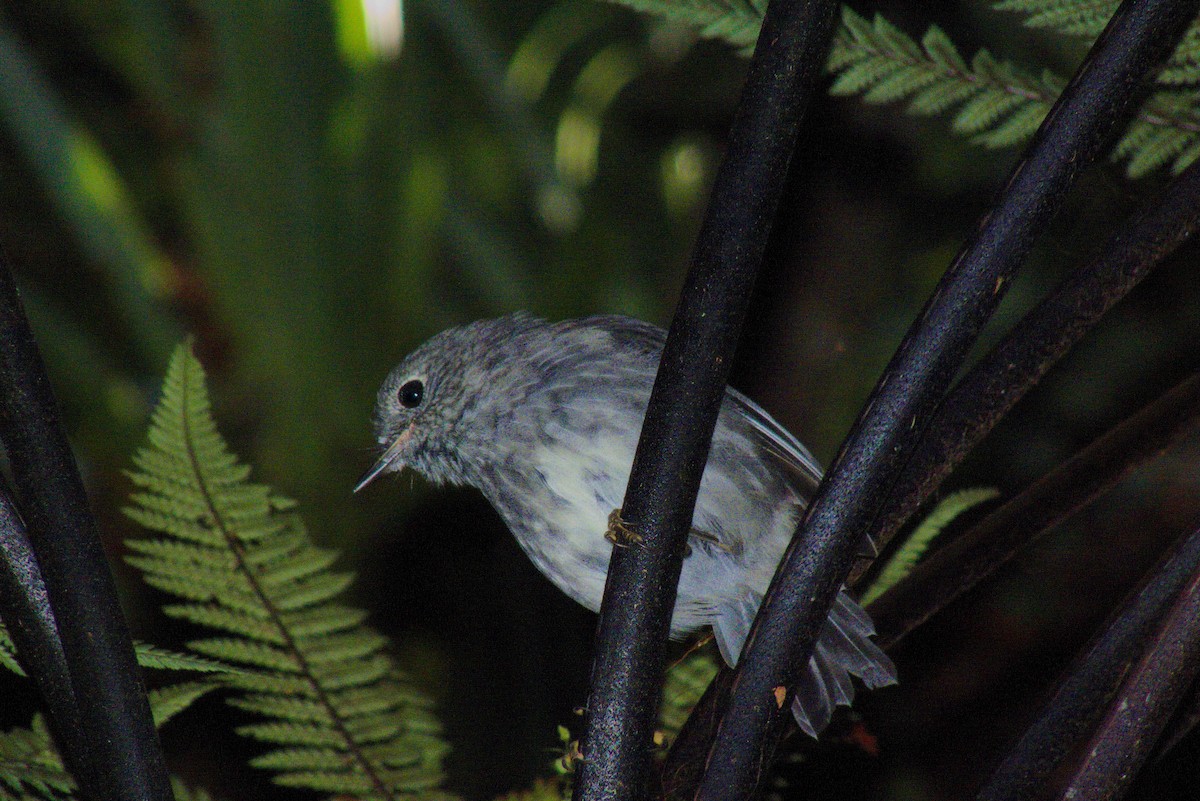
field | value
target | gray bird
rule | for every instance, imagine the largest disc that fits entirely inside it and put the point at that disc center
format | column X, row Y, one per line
column 544, row 419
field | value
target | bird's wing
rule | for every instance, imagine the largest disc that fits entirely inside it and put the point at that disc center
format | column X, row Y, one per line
column 646, row 338
column 774, row 438
column 779, row 442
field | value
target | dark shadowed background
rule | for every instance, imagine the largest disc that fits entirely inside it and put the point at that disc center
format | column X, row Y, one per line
column 310, row 203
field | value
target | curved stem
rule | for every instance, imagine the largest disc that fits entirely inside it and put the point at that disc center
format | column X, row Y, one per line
column 659, row 502
column 114, row 715
column 857, row 486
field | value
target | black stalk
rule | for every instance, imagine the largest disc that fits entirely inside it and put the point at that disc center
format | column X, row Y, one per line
column 1039, row 340
column 114, row 715
column 1098, row 98
column 640, row 592
column 25, row 609
column 1138, row 714
column 977, row 553
column 1090, row 686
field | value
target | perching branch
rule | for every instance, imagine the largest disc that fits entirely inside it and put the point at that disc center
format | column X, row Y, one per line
column 856, row 488
column 1090, row 686
column 961, row 564
column 113, row 713
column 956, row 567
column 640, row 592
column 1039, row 340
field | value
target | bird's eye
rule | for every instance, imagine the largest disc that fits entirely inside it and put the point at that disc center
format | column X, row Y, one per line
column 411, row 393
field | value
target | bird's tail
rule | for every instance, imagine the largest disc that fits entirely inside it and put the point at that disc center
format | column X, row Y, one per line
column 844, row 649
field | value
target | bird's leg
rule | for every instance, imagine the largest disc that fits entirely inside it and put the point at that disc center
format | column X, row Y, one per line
column 704, row 536
column 620, row 533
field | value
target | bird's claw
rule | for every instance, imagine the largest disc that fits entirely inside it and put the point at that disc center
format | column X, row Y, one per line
column 620, row 533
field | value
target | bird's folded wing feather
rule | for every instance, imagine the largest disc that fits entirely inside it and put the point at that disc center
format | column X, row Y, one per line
column 780, row 443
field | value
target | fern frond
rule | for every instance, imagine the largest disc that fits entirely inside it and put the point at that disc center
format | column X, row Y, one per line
column 999, row 104
column 734, row 21
column 341, row 718
column 149, row 656
column 905, row 559
column 8, row 653
column 685, row 682
column 167, row 702
column 158, row 658
column 184, row 792
column 1073, row 17
column 30, row 767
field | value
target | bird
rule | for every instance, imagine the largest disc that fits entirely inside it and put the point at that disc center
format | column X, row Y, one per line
column 544, row 419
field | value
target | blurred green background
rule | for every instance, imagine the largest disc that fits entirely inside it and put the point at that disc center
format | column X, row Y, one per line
column 310, row 189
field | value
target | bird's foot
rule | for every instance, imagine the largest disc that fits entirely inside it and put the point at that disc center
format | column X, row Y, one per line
column 620, row 533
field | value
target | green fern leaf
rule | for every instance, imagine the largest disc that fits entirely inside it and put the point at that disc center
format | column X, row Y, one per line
column 158, row 658
column 735, row 21
column 167, row 702
column 902, row 563
column 293, row 734
column 685, row 682
column 8, row 652
column 1074, row 17
column 184, row 792
column 339, row 716
column 29, row 765
column 999, row 105
column 148, row 656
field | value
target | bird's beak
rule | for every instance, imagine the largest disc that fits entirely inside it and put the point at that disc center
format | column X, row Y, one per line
column 385, row 461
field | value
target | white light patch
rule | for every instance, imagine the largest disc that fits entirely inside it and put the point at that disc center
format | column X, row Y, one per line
column 385, row 26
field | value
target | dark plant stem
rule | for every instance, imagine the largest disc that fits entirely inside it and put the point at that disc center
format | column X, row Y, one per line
column 978, row 552
column 961, row 564
column 25, row 609
column 1038, row 341
column 114, row 715
column 852, row 496
column 1138, row 714
column 1089, row 687
column 639, row 596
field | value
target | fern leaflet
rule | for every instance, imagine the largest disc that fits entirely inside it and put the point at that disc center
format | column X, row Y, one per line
column 341, row 718
column 995, row 103
column 685, row 682
column 905, row 559
column 29, row 765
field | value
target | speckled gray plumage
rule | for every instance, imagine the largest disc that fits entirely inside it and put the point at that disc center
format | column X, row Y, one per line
column 544, row 419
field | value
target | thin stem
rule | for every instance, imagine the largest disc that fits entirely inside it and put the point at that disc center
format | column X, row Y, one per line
column 640, row 592
column 960, row 565
column 1090, row 686
column 1138, row 714
column 114, row 715
column 857, row 486
column 25, row 609
column 1039, row 340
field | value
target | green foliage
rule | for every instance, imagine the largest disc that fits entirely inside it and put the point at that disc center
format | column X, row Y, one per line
column 905, row 559
column 342, row 719
column 148, row 656
column 995, row 103
column 30, row 767
column 735, row 21
column 1074, row 17
column 685, row 682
